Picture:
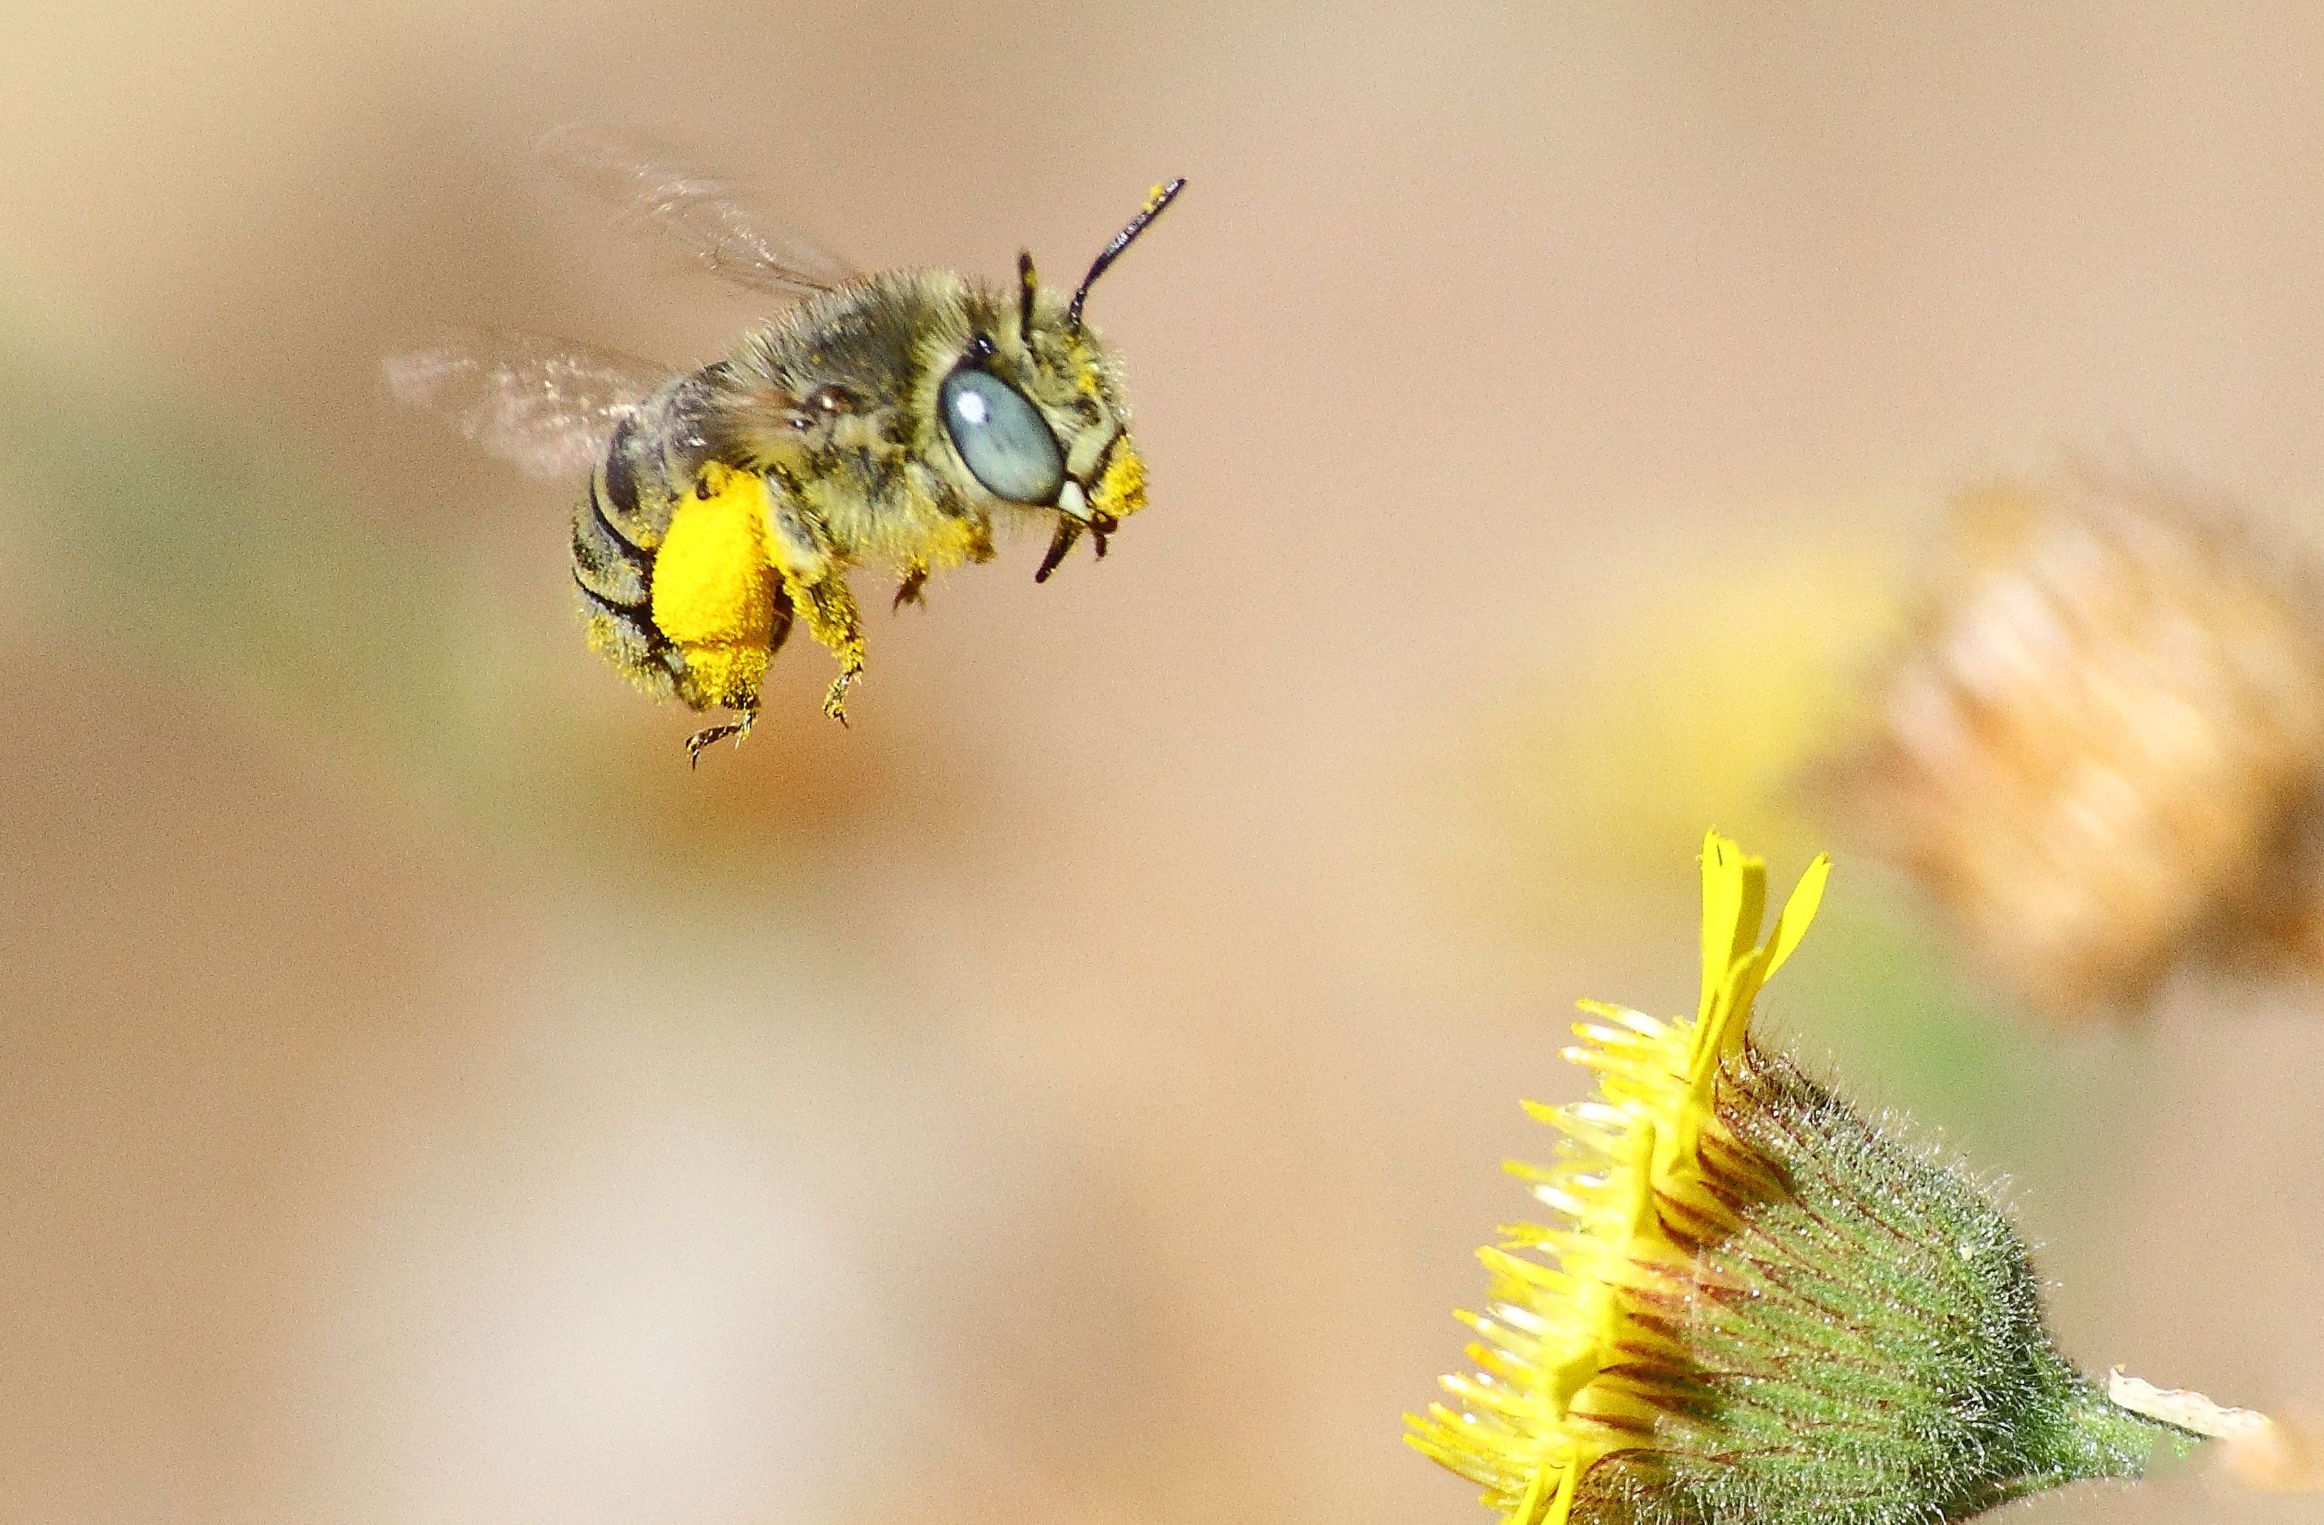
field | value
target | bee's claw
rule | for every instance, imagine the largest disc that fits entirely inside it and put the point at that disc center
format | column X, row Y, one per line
column 738, row 729
column 908, row 591
column 835, row 699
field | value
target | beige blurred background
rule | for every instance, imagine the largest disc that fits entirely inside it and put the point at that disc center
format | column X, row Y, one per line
column 1072, row 1094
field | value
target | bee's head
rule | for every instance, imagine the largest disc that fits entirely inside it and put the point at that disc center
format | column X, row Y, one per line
column 1035, row 412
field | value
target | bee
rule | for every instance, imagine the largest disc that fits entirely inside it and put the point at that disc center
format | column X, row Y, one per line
column 894, row 420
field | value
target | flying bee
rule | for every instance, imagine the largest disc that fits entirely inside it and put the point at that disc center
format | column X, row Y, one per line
column 890, row 420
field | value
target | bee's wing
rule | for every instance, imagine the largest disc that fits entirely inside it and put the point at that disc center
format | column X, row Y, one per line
column 547, row 405
column 707, row 215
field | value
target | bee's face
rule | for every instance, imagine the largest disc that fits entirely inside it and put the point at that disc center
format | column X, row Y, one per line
column 1031, row 408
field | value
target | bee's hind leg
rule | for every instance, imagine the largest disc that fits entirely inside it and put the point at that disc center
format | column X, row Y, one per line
column 738, row 728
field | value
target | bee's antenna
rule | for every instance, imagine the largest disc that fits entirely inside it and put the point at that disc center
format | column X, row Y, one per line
column 1028, row 285
column 1161, row 197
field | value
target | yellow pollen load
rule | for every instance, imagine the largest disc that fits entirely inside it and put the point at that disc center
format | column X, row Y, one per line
column 1122, row 490
column 1556, row 1387
column 714, row 587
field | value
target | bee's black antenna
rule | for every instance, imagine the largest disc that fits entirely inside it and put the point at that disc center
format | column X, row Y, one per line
column 1027, row 285
column 1162, row 196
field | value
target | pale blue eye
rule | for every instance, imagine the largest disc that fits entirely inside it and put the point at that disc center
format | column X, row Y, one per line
column 1002, row 437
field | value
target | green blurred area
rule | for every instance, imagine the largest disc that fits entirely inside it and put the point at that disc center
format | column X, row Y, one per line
column 1908, row 1028
column 214, row 555
column 217, row 551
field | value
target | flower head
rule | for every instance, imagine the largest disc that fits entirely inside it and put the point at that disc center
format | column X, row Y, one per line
column 2103, row 749
column 1755, row 1306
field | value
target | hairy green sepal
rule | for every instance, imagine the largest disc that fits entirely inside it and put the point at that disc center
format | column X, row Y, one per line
column 1865, row 1337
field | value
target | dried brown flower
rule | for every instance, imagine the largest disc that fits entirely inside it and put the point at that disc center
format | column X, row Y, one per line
column 2101, row 750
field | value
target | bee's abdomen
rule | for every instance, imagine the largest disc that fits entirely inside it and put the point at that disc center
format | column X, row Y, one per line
column 614, row 532
column 605, row 561
column 671, row 562
column 626, row 637
column 614, row 538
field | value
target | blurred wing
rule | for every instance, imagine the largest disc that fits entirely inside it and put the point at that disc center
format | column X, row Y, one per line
column 708, row 216
column 548, row 406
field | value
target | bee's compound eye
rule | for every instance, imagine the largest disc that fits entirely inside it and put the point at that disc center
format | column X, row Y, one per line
column 1002, row 437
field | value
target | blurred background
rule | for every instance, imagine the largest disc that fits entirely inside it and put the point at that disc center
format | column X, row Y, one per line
column 1074, row 1092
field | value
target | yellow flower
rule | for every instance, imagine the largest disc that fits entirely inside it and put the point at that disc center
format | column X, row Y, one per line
column 1755, row 1306
column 1560, row 1381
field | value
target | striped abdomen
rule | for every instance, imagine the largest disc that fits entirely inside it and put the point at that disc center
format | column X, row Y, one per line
column 673, row 581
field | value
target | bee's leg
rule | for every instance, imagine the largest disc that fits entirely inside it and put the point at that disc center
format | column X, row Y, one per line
column 737, row 728
column 815, row 581
column 835, row 697
column 908, row 591
column 829, row 609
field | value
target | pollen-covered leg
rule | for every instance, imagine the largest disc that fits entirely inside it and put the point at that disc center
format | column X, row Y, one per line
column 716, row 596
column 828, row 608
